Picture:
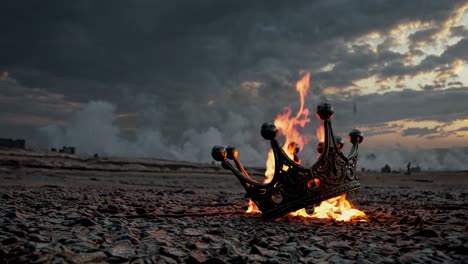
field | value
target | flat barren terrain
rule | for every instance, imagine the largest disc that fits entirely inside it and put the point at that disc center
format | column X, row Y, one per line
column 59, row 208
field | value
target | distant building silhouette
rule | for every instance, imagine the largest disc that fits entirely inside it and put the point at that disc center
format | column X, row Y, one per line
column 386, row 169
column 13, row 143
column 67, row 150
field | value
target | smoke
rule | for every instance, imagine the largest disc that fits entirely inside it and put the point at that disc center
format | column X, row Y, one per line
column 427, row 159
column 94, row 130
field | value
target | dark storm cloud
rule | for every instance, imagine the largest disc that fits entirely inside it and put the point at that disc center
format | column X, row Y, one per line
column 16, row 99
column 436, row 105
column 166, row 60
column 204, row 43
column 455, row 84
column 379, row 132
column 419, row 131
column 423, row 35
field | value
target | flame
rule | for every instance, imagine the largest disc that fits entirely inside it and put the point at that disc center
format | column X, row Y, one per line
column 320, row 133
column 253, row 209
column 337, row 208
column 288, row 127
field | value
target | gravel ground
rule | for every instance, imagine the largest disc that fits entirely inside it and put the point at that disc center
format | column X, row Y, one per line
column 73, row 216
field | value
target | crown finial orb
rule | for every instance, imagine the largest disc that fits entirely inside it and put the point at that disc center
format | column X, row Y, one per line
column 356, row 136
column 232, row 153
column 218, row 153
column 325, row 111
column 339, row 142
column 269, row 131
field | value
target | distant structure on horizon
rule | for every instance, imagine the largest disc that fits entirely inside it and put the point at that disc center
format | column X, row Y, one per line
column 65, row 149
column 386, row 169
column 13, row 143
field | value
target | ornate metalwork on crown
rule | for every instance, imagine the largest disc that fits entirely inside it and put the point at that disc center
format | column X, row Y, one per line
column 293, row 186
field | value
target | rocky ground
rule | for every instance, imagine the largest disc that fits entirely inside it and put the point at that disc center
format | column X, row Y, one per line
column 140, row 214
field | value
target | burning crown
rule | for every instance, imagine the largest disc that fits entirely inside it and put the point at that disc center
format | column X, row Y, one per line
column 293, row 186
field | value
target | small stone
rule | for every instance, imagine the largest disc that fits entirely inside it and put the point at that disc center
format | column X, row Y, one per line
column 313, row 252
column 67, row 241
column 138, row 261
column 18, row 233
column 215, row 261
column 404, row 220
column 289, row 247
column 441, row 255
column 254, row 241
column 38, row 238
column 196, row 257
column 33, row 230
column 149, row 246
column 190, row 245
column 112, row 207
column 339, row 245
column 16, row 214
column 66, row 252
column 263, row 243
column 273, row 261
column 258, row 250
column 83, row 247
column 409, row 258
column 10, row 240
column 94, row 257
column 191, row 232
column 230, row 249
column 335, row 259
column 130, row 238
column 141, row 210
column 202, row 245
column 426, row 233
column 211, row 238
column 361, row 260
column 172, row 252
column 164, row 259
column 7, row 196
column 86, row 222
column 123, row 249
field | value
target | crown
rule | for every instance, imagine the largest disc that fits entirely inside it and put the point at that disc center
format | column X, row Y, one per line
column 293, row 186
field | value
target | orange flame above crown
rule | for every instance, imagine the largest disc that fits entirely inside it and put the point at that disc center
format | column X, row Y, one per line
column 288, row 127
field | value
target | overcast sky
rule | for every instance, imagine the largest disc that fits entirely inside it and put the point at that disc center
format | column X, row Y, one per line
column 169, row 79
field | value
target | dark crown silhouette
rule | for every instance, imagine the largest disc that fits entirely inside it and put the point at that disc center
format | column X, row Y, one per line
column 293, row 186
